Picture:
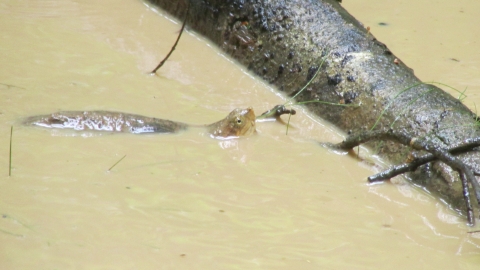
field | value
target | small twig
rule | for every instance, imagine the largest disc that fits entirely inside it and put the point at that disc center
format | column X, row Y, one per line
column 174, row 45
column 466, row 196
column 11, row 86
column 276, row 111
column 10, row 156
column 288, row 124
column 11, row 233
column 466, row 146
column 116, row 163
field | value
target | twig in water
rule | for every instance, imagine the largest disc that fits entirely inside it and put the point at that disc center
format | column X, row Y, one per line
column 174, row 45
column 276, row 111
column 10, row 157
column 11, row 86
column 116, row 163
column 288, row 124
column 466, row 146
column 445, row 155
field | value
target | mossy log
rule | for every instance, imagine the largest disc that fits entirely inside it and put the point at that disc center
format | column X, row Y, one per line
column 284, row 42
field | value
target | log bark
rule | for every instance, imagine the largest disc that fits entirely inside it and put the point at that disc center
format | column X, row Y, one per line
column 284, row 42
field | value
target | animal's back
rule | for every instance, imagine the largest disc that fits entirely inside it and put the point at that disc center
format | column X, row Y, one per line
column 105, row 121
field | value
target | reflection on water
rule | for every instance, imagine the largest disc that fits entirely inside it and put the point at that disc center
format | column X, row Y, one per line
column 184, row 200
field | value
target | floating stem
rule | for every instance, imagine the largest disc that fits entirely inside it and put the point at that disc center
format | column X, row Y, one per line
column 10, row 155
column 116, row 163
column 174, row 45
column 288, row 124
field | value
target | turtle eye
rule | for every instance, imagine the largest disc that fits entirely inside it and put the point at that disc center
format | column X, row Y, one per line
column 239, row 121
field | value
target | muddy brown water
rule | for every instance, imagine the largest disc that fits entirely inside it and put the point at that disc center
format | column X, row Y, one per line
column 186, row 201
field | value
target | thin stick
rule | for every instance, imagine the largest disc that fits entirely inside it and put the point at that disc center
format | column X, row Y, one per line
column 467, row 145
column 174, row 45
column 11, row 85
column 10, row 159
column 288, row 124
column 275, row 112
column 116, row 163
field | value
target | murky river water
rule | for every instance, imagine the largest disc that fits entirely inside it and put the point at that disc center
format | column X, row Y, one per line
column 187, row 201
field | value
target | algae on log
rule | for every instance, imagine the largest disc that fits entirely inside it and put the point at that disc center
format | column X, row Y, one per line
column 284, row 42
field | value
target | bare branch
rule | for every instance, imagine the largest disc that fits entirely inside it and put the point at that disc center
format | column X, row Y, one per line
column 436, row 153
column 154, row 71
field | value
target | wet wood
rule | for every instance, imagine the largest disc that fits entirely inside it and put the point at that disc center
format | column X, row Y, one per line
column 284, row 43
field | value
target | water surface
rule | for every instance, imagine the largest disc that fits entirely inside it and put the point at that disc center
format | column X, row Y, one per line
column 187, row 201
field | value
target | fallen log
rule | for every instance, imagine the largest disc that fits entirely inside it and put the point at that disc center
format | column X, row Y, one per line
column 284, row 42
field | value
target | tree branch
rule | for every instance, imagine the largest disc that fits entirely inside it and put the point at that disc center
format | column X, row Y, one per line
column 174, row 45
column 446, row 155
